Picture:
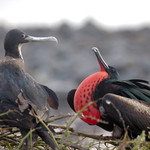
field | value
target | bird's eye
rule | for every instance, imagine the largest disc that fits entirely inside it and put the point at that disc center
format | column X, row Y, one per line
column 22, row 35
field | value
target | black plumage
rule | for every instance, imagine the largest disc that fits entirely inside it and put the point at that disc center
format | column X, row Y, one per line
column 136, row 89
column 128, row 114
column 20, row 93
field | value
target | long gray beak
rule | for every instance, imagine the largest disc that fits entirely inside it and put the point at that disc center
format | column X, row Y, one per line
column 41, row 39
column 100, row 58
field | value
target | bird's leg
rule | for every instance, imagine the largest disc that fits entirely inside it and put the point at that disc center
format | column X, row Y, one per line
column 43, row 133
column 117, row 132
column 26, row 143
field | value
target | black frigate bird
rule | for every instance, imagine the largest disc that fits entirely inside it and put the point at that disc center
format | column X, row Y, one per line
column 125, row 114
column 100, row 86
column 20, row 93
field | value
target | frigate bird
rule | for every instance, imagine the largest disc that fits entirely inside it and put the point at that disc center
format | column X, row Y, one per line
column 95, row 88
column 20, row 94
column 126, row 114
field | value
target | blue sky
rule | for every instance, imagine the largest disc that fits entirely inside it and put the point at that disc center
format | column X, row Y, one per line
column 109, row 13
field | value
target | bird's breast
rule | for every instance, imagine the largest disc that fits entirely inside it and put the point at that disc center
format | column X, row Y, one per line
column 84, row 95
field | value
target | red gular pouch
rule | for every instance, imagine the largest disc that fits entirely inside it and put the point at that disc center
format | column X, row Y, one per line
column 84, row 95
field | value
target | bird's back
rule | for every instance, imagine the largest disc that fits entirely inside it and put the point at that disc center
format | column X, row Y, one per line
column 14, row 80
column 134, row 113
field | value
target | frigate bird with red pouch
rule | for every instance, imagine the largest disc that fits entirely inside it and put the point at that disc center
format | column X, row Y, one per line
column 119, row 104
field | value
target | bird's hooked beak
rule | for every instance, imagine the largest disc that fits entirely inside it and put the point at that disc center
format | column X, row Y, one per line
column 102, row 63
column 41, row 39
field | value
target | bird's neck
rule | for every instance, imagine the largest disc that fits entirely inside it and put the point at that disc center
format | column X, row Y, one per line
column 14, row 52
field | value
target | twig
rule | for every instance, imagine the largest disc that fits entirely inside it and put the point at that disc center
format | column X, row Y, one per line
column 124, row 141
column 58, row 118
column 106, row 139
column 48, row 130
column 120, row 116
column 6, row 113
column 11, row 140
column 72, row 145
column 79, row 112
column 31, row 141
column 21, row 142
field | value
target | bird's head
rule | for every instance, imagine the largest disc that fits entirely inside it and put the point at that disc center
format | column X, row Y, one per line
column 112, row 72
column 15, row 38
column 84, row 93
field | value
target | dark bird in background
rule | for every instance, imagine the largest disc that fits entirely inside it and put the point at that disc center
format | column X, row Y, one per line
column 20, row 93
column 119, row 105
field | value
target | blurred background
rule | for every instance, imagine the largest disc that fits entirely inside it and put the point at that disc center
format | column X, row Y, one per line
column 120, row 29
